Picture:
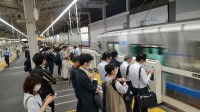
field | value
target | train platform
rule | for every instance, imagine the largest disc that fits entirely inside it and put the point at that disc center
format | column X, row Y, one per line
column 11, row 96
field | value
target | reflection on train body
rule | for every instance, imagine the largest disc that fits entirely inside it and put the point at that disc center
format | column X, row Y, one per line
column 176, row 49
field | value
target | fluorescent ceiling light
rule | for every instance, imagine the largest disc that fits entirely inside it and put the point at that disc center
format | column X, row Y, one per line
column 192, row 26
column 67, row 8
column 12, row 27
column 150, row 30
column 170, row 28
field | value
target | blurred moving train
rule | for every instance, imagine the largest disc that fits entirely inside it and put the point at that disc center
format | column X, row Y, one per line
column 175, row 45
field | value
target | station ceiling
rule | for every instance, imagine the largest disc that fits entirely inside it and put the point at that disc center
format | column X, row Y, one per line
column 13, row 12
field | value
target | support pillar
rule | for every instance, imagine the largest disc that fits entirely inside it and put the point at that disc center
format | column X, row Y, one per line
column 31, row 28
column 104, row 17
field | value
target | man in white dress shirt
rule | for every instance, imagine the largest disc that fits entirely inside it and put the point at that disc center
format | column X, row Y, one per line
column 134, row 77
column 123, row 67
column 101, row 69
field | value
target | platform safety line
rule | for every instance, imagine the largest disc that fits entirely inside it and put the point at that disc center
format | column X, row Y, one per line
column 61, row 82
column 65, row 102
column 16, row 67
column 65, row 95
column 63, row 90
column 71, row 111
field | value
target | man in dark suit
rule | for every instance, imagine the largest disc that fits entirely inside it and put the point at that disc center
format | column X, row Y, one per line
column 47, row 79
column 50, row 58
column 113, row 60
column 85, row 87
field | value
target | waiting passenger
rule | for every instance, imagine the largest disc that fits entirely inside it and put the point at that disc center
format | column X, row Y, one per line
column 72, row 70
column 32, row 100
column 64, row 56
column 125, row 64
column 50, row 58
column 78, row 50
column 114, row 56
column 58, row 61
column 102, row 72
column 115, row 88
column 134, row 77
column 47, row 79
column 85, row 87
column 6, row 55
column 72, row 54
column 123, row 70
column 27, row 65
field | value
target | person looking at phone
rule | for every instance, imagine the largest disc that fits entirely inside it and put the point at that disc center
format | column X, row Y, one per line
column 134, row 77
column 32, row 100
column 115, row 88
column 85, row 87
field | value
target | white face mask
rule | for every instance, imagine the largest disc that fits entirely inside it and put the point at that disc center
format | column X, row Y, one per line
column 37, row 88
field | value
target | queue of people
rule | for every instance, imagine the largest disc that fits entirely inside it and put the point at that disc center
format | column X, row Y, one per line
column 114, row 75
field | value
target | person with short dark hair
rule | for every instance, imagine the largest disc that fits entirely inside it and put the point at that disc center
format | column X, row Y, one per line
column 6, row 55
column 50, row 58
column 85, row 87
column 114, row 89
column 101, row 69
column 114, row 60
column 32, row 100
column 72, row 70
column 78, row 50
column 47, row 79
column 133, row 75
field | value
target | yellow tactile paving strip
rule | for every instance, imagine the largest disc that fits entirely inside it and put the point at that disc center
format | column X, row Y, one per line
column 156, row 109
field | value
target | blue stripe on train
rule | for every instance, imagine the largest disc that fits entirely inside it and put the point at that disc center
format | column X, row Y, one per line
column 184, row 90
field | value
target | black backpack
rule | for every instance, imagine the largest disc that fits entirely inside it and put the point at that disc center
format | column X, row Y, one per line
column 71, row 56
column 58, row 61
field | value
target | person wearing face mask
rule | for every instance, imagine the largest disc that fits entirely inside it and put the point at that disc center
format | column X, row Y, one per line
column 133, row 75
column 32, row 100
column 123, row 67
column 85, row 87
column 115, row 88
column 47, row 79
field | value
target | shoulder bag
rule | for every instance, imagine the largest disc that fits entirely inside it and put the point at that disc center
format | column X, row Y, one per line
column 145, row 99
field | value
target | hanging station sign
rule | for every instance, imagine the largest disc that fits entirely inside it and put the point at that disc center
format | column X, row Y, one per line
column 149, row 17
column 84, row 36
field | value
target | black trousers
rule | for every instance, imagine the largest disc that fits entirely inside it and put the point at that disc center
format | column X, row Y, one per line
column 104, row 96
column 50, row 67
column 7, row 60
column 59, row 69
column 136, row 108
column 78, row 106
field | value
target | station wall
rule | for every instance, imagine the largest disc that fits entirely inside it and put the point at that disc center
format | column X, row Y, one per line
column 187, row 9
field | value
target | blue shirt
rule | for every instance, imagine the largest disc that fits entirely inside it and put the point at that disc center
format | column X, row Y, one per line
column 6, row 53
column 72, row 76
column 77, row 52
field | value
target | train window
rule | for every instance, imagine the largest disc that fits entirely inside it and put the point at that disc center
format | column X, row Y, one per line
column 113, row 47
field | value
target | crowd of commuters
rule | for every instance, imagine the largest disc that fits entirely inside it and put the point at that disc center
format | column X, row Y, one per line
column 114, row 76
